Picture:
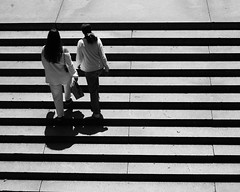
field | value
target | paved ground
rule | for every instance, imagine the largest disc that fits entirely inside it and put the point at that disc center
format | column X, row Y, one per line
column 12, row 11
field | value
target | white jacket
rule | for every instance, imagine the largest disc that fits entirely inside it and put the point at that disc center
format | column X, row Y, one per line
column 56, row 73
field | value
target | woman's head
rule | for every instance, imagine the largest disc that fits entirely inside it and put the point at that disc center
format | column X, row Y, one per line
column 87, row 31
column 53, row 49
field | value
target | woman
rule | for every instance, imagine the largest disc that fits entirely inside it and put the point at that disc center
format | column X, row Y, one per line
column 59, row 70
column 92, row 60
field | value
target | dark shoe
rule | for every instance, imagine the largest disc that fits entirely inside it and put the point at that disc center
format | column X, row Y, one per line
column 69, row 104
column 97, row 116
column 59, row 120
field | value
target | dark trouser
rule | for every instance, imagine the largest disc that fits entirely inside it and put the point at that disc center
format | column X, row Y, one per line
column 93, row 87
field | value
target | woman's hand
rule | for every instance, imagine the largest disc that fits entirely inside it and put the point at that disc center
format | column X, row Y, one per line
column 75, row 78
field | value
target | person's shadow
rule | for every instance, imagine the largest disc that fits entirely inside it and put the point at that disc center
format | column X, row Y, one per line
column 62, row 135
column 90, row 127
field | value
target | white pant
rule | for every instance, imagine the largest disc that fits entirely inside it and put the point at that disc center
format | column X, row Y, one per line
column 57, row 94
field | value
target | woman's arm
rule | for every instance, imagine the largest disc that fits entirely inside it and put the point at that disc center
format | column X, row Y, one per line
column 69, row 63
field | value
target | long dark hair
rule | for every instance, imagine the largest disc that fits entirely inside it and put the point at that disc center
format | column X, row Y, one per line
column 53, row 49
column 87, row 31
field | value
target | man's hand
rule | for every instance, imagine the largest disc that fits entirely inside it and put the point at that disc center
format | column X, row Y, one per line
column 106, row 69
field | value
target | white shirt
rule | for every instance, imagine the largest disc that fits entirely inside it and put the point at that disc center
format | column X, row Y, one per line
column 90, row 57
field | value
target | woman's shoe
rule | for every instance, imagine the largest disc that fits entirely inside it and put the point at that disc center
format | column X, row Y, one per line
column 59, row 120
